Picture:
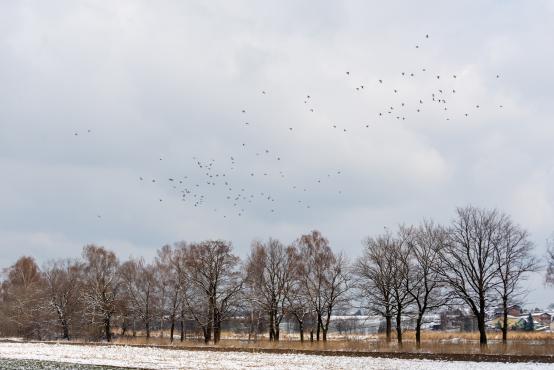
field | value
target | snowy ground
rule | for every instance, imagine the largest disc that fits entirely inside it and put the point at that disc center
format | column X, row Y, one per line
column 155, row 358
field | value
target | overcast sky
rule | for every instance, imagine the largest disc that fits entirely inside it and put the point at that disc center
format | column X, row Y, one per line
column 169, row 80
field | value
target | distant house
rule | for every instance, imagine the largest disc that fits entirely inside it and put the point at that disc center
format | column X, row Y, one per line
column 514, row 310
column 498, row 322
column 543, row 318
column 457, row 319
column 540, row 322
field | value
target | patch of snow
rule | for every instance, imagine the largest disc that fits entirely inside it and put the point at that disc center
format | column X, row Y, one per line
column 158, row 358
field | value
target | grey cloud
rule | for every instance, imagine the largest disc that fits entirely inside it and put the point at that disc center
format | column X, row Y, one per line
column 170, row 80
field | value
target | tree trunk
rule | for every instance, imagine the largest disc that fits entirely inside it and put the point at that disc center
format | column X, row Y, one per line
column 418, row 330
column 182, row 319
column 207, row 334
column 217, row 326
column 172, row 329
column 251, row 326
column 217, row 331
column 108, row 329
column 271, row 327
column 124, row 326
column 162, row 326
column 318, row 326
column 505, row 324
column 209, row 325
column 388, row 328
column 325, row 327
column 399, row 327
column 301, row 328
column 147, row 326
column 65, row 328
column 482, row 330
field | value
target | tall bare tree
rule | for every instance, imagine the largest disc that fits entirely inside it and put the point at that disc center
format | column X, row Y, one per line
column 514, row 261
column 214, row 283
column 401, row 279
column 138, row 279
column 299, row 305
column 23, row 290
column 251, row 306
column 425, row 244
column 470, row 260
column 63, row 281
column 374, row 272
column 550, row 262
column 170, row 262
column 270, row 272
column 324, row 278
column 100, row 287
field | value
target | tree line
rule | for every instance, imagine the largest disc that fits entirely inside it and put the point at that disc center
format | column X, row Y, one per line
column 478, row 260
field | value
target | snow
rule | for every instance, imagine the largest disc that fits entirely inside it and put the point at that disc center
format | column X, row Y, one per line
column 158, row 358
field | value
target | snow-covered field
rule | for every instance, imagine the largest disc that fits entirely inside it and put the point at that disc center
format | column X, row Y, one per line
column 156, row 358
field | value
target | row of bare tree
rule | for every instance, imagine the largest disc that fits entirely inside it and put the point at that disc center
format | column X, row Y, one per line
column 479, row 260
column 202, row 282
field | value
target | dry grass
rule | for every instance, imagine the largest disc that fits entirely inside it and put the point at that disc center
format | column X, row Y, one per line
column 492, row 335
column 520, row 343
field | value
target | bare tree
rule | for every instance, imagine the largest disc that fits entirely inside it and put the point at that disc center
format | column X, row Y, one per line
column 23, row 295
column 251, row 306
column 299, row 305
column 214, row 282
column 374, row 272
column 63, row 281
column 324, row 277
column 162, row 278
column 514, row 261
column 470, row 260
column 401, row 280
column 425, row 244
column 139, row 281
column 550, row 262
column 170, row 262
column 101, row 287
column 270, row 273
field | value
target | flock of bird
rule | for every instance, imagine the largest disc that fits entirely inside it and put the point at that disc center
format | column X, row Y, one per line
column 211, row 178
